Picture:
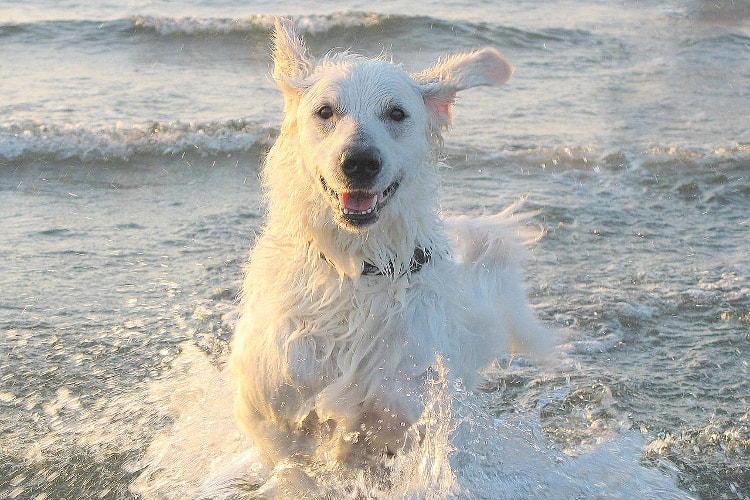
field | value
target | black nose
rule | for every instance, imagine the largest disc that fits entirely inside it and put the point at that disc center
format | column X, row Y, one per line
column 360, row 165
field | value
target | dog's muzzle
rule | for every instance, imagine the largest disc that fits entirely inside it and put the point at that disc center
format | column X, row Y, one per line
column 359, row 208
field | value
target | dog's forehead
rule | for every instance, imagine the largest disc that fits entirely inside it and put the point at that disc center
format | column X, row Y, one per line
column 359, row 78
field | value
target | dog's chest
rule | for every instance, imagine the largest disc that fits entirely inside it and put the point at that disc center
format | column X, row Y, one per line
column 370, row 325
column 370, row 308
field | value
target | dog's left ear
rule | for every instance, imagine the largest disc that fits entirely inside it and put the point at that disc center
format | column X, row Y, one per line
column 292, row 62
column 440, row 83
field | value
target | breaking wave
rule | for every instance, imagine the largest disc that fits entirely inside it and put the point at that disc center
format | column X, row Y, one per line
column 256, row 28
column 36, row 141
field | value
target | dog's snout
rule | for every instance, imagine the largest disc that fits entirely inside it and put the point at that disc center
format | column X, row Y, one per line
column 361, row 165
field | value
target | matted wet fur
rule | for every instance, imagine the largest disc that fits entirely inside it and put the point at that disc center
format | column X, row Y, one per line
column 356, row 287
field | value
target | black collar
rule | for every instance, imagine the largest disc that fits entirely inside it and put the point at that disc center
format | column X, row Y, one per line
column 420, row 258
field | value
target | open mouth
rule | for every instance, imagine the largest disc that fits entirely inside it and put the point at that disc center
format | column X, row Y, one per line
column 360, row 208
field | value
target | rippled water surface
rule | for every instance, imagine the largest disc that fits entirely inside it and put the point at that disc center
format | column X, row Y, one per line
column 130, row 136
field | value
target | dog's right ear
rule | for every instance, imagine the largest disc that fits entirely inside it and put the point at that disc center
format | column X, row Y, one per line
column 292, row 62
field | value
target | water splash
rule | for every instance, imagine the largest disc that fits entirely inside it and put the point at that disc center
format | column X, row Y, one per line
column 467, row 452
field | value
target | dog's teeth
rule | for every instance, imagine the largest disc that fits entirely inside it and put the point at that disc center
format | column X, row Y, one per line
column 347, row 211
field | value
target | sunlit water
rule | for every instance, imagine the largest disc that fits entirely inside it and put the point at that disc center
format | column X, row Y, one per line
column 129, row 142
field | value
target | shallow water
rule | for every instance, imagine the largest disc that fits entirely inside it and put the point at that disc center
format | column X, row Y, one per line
column 129, row 142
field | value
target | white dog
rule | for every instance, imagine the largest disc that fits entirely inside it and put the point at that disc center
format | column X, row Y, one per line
column 356, row 288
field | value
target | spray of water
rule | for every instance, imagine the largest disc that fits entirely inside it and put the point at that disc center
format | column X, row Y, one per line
column 467, row 452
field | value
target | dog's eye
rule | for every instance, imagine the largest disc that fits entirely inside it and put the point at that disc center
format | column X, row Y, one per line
column 326, row 113
column 397, row 115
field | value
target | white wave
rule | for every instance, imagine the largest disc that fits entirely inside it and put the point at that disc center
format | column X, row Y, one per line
column 31, row 140
column 309, row 24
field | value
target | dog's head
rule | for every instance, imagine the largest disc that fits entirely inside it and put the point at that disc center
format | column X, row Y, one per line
column 364, row 126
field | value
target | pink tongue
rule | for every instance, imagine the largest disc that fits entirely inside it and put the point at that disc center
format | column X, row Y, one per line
column 358, row 201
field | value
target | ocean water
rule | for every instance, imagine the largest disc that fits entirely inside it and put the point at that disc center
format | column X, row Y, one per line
column 130, row 137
